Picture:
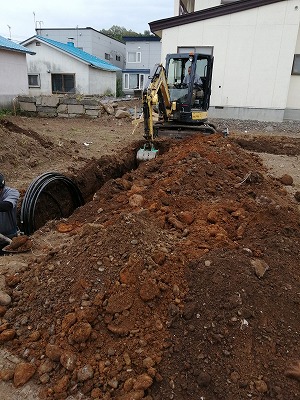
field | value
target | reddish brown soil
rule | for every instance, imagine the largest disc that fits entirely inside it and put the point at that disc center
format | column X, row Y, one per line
column 178, row 280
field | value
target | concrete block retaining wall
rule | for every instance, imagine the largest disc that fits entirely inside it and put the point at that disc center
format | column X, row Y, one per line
column 67, row 106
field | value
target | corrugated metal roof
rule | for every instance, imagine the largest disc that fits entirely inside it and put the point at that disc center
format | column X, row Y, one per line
column 213, row 12
column 10, row 45
column 80, row 54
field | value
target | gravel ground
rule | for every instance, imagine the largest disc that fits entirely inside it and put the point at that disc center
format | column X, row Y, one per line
column 250, row 126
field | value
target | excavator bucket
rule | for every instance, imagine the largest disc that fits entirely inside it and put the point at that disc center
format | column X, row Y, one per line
column 148, row 152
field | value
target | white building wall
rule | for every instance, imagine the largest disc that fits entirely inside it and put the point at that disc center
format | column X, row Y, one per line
column 13, row 76
column 49, row 61
column 197, row 5
column 150, row 51
column 253, row 53
column 150, row 54
column 103, row 82
column 293, row 101
column 203, row 4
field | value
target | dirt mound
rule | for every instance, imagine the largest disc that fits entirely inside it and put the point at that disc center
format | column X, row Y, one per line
column 25, row 154
column 179, row 280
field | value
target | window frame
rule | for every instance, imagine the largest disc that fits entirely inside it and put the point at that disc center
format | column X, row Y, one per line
column 137, row 57
column 296, row 65
column 63, row 77
column 141, row 81
column 38, row 85
column 107, row 56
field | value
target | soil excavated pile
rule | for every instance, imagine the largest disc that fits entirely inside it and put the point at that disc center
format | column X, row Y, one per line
column 179, row 280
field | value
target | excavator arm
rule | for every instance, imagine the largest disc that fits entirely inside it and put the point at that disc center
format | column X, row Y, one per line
column 156, row 93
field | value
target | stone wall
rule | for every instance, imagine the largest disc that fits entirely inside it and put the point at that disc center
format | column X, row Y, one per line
column 70, row 106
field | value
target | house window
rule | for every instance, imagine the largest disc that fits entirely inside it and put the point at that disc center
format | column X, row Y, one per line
column 118, row 58
column 34, row 80
column 134, row 57
column 134, row 81
column 296, row 65
column 107, row 56
column 63, row 83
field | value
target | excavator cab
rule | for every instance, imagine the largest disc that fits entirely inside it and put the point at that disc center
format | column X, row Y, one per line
column 189, row 82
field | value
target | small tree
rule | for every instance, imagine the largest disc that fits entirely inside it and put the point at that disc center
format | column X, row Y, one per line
column 117, row 32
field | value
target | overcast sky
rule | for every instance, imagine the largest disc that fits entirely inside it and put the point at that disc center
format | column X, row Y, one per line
column 18, row 18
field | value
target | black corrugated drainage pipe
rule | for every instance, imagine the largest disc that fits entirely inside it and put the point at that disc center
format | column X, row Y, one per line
column 49, row 196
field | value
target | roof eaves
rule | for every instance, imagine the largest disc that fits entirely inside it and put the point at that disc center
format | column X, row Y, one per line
column 209, row 13
column 8, row 44
column 141, row 38
column 17, row 50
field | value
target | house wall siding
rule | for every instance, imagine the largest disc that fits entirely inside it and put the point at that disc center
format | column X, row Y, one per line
column 104, row 84
column 203, row 4
column 87, row 80
column 293, row 101
column 13, row 76
column 253, row 52
column 150, row 56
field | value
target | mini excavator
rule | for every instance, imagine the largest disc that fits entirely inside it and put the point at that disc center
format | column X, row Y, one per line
column 176, row 101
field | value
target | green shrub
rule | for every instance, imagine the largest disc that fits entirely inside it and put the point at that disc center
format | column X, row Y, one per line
column 119, row 91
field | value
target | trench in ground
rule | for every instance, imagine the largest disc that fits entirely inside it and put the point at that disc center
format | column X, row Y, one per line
column 57, row 200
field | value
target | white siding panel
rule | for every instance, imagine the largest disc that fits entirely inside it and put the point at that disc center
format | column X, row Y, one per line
column 103, row 82
column 293, row 101
column 253, row 53
column 13, row 73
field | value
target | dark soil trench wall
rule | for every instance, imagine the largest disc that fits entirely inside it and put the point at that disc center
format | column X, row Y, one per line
column 96, row 172
column 55, row 202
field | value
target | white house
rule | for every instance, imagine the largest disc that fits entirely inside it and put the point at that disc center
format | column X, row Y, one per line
column 13, row 71
column 63, row 68
column 142, row 53
column 256, row 48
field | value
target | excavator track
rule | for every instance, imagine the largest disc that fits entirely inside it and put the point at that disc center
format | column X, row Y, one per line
column 176, row 131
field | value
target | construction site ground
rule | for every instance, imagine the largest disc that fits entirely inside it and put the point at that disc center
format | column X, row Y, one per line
column 179, row 277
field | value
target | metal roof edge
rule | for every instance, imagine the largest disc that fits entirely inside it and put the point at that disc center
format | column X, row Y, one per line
column 10, row 45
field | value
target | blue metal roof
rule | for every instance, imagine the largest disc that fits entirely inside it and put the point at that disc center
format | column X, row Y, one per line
column 10, row 45
column 80, row 54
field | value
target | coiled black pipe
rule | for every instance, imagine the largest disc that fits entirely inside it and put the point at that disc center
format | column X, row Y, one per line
column 34, row 191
